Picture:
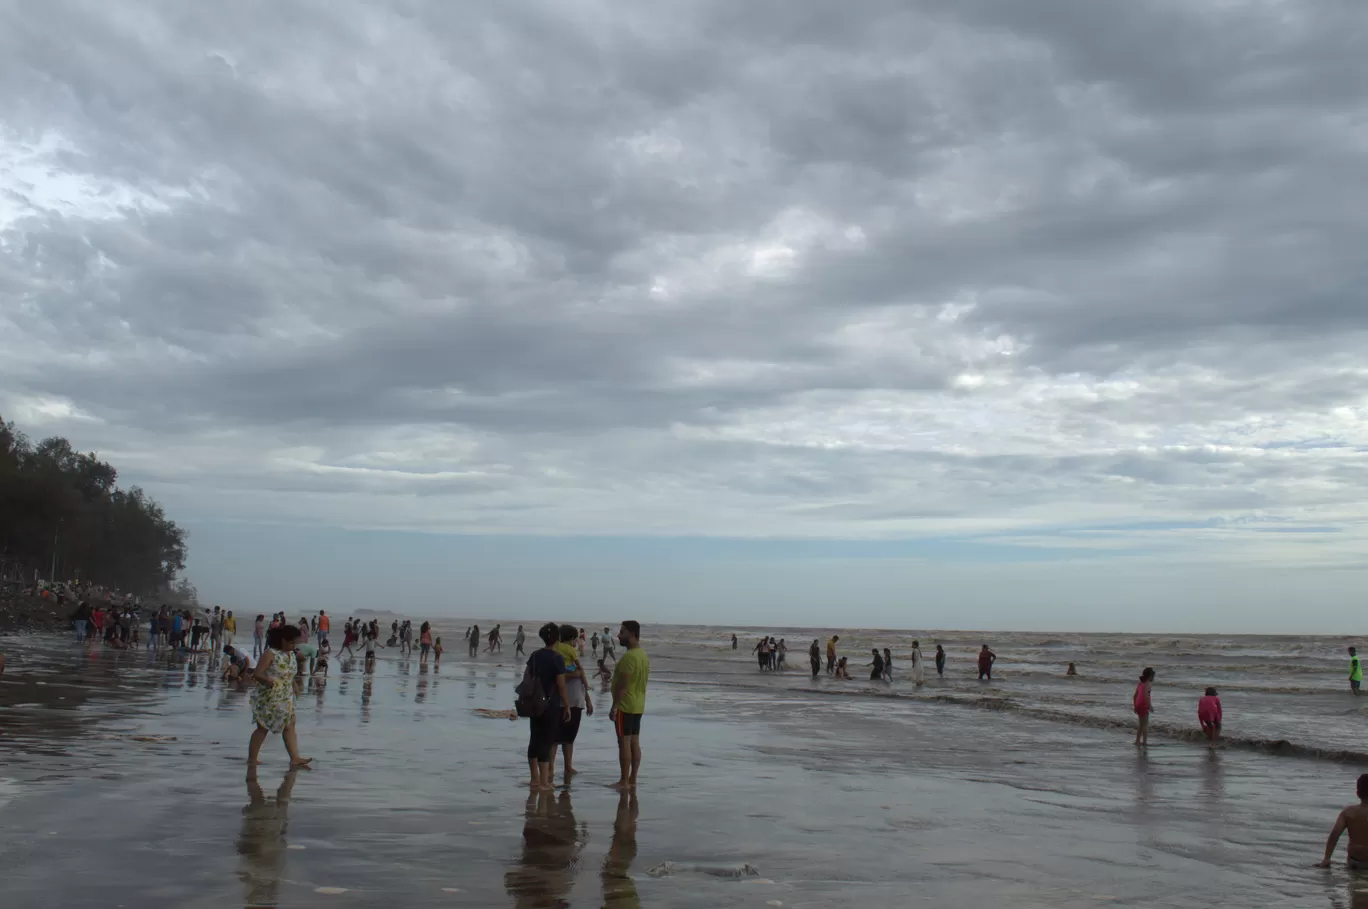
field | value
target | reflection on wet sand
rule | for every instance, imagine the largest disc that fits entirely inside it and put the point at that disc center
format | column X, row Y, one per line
column 545, row 872
column 619, row 890
column 261, row 844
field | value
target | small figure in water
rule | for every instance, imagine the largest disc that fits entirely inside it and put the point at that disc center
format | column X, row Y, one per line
column 762, row 653
column 474, row 640
column 437, row 653
column 1072, row 671
column 815, row 656
column 986, row 659
column 888, row 665
column 918, row 664
column 876, row 674
column 1355, row 820
column 940, row 661
column 519, row 640
column 1143, row 706
column 841, row 671
column 603, row 674
column 1355, row 672
column 1209, row 715
column 735, row 643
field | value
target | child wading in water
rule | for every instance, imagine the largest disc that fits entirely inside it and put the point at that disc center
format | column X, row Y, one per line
column 1143, row 706
column 1209, row 715
column 437, row 653
column 273, row 698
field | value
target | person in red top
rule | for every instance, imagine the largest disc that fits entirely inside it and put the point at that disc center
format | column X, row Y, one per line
column 1209, row 715
column 986, row 659
column 1143, row 706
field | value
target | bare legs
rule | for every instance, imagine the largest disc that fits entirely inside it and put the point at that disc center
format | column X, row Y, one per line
column 254, row 745
column 569, row 751
column 292, row 746
column 629, row 761
column 291, row 739
column 1142, row 730
column 541, row 774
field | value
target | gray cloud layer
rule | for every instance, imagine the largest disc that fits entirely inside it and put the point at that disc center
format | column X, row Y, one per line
column 772, row 268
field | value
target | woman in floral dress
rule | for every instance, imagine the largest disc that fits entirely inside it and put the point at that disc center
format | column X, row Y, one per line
column 273, row 698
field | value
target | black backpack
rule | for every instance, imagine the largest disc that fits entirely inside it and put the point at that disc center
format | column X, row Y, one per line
column 531, row 696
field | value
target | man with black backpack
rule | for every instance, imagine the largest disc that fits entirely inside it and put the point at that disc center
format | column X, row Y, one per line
column 543, row 699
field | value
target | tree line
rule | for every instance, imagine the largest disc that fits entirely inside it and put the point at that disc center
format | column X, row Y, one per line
column 60, row 506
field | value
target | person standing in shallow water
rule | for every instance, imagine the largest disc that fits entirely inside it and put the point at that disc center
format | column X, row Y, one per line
column 831, row 653
column 576, row 698
column 877, row 667
column 474, row 640
column 735, row 642
column 986, row 659
column 547, row 668
column 1143, row 706
column 629, row 702
column 519, row 640
column 940, row 661
column 815, row 656
column 273, row 697
column 1355, row 672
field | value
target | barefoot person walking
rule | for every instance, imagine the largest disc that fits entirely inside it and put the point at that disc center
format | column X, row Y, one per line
column 629, row 702
column 273, row 698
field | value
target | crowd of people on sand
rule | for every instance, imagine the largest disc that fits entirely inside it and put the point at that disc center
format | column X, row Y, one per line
column 553, row 694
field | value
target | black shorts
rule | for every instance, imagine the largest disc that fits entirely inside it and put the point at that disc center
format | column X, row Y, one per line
column 569, row 731
column 545, row 732
column 628, row 724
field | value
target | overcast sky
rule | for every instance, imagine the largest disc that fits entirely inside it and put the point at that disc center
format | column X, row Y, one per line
column 914, row 313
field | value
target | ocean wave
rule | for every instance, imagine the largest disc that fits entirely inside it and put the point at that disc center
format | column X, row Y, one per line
column 1001, row 702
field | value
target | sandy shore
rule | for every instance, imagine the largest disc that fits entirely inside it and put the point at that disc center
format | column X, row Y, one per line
column 135, row 764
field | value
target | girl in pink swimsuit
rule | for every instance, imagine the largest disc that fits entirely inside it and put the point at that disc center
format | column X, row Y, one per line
column 1209, row 715
column 1143, row 706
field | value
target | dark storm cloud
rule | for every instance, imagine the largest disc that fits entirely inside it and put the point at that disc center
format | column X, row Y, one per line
column 772, row 268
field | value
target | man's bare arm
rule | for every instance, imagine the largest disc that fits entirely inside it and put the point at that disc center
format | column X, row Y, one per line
column 1332, row 841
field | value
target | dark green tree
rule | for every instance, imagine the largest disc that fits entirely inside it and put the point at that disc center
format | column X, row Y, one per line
column 58, row 503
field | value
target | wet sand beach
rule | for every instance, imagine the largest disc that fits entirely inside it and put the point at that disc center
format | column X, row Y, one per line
column 123, row 783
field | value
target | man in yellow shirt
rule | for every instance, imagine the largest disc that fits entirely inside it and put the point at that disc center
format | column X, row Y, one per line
column 629, row 702
column 229, row 627
column 831, row 653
